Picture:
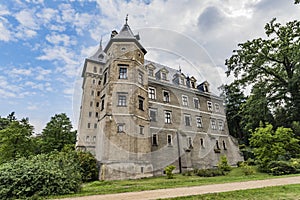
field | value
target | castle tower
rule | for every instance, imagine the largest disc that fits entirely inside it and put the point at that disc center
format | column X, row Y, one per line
column 120, row 130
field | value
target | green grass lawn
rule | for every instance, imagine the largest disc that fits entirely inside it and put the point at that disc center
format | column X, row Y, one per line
column 287, row 192
column 110, row 187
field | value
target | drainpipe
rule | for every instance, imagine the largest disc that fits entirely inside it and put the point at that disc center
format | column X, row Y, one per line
column 179, row 154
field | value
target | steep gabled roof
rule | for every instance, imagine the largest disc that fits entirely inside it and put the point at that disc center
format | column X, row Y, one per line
column 125, row 35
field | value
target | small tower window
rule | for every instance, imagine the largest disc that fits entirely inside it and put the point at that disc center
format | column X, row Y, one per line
column 154, row 139
column 141, row 103
column 140, row 78
column 169, row 139
column 123, row 73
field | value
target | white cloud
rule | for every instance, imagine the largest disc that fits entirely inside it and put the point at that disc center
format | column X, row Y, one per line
column 26, row 19
column 24, row 72
column 5, row 33
column 56, row 39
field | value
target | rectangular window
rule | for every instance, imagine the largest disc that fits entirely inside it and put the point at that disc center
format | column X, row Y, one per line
column 92, row 93
column 97, row 104
column 217, row 107
column 122, row 73
column 89, row 125
column 190, row 142
column 221, row 125
column 98, row 93
column 184, row 100
column 196, row 103
column 154, row 139
column 167, row 117
column 187, row 120
column 201, row 142
column 150, row 72
column 91, row 104
column 121, row 100
column 140, row 78
column 151, row 93
column 209, row 106
column 141, row 130
column 95, row 69
column 90, row 114
column 95, row 125
column 169, row 139
column 87, row 138
column 152, row 114
column 166, row 96
column 94, row 138
column 199, row 122
column 163, row 76
column 121, row 128
column 97, row 114
column 213, row 124
column 141, row 103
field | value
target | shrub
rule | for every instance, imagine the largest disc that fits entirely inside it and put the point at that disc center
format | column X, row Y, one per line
column 88, row 166
column 41, row 175
column 223, row 164
column 281, row 168
column 210, row 172
column 169, row 171
column 247, row 170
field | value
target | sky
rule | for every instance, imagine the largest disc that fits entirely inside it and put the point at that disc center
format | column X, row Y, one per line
column 43, row 43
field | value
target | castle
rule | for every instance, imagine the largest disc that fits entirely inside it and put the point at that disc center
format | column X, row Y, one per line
column 138, row 116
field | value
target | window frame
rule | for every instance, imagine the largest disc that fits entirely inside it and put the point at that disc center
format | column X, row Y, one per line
column 123, row 72
column 168, row 117
column 199, row 122
column 155, row 111
column 213, row 124
column 209, row 106
column 185, row 100
column 217, row 107
column 169, row 140
column 166, row 98
column 120, row 127
column 196, row 105
column 187, row 120
column 141, row 101
column 150, row 94
column 154, row 135
column 122, row 100
column 220, row 125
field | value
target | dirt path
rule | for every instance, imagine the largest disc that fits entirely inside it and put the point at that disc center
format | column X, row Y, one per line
column 195, row 190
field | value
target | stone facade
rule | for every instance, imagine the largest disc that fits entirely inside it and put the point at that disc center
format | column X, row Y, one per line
column 137, row 116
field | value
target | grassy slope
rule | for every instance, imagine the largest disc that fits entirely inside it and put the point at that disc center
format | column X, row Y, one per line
column 288, row 192
column 110, row 187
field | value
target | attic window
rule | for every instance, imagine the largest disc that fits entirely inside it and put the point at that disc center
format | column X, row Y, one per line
column 163, row 76
column 123, row 49
column 100, row 56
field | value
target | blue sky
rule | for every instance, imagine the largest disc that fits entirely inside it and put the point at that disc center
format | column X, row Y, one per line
column 43, row 43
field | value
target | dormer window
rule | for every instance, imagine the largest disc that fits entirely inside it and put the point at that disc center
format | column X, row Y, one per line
column 164, row 76
column 181, row 81
column 150, row 72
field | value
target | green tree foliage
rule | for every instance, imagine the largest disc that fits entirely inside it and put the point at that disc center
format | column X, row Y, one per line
column 297, row 1
column 169, row 171
column 88, row 166
column 275, row 62
column 223, row 164
column 41, row 175
column 16, row 140
column 57, row 133
column 269, row 145
column 234, row 99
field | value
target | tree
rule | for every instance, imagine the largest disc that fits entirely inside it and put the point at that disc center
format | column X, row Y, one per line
column 255, row 110
column 270, row 145
column 57, row 133
column 16, row 140
column 234, row 99
column 297, row 1
column 274, row 61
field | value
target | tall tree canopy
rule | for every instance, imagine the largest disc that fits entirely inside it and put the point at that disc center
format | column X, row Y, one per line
column 57, row 133
column 15, row 138
column 275, row 61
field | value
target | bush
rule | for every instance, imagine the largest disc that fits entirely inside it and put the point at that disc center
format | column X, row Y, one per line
column 169, row 171
column 210, row 172
column 281, row 167
column 223, row 164
column 247, row 170
column 41, row 175
column 88, row 166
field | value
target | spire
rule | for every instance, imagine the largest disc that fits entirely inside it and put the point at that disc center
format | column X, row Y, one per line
column 100, row 45
column 126, row 19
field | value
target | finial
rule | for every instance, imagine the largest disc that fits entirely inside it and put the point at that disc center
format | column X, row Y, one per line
column 100, row 43
column 126, row 19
